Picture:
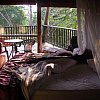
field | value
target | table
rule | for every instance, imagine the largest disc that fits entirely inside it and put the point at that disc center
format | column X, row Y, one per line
column 13, row 43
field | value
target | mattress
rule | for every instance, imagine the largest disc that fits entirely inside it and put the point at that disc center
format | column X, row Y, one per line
column 77, row 77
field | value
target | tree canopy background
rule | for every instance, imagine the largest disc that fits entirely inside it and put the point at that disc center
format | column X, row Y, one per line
column 11, row 15
column 61, row 17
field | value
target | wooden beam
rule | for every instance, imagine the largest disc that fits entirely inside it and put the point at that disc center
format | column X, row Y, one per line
column 43, row 3
column 39, row 37
column 57, row 3
column 17, row 2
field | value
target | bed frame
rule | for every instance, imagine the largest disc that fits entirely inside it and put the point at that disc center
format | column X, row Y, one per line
column 67, row 95
column 86, row 94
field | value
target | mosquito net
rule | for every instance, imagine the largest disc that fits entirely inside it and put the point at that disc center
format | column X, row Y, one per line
column 88, row 12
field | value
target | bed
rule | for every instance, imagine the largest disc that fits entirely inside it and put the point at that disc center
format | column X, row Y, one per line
column 77, row 82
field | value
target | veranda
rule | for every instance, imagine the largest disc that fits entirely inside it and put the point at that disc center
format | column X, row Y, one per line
column 56, row 36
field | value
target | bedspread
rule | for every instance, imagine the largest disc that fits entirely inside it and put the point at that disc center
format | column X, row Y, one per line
column 32, row 76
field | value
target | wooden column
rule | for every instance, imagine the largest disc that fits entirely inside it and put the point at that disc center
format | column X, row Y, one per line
column 39, row 37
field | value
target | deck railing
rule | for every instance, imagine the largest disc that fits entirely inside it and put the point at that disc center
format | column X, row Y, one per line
column 56, row 36
column 59, row 36
column 21, row 32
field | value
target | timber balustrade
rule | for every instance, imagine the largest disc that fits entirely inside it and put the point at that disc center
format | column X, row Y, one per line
column 18, row 32
column 56, row 36
column 59, row 36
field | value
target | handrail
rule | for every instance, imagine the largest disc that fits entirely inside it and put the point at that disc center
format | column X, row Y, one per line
column 27, row 37
column 57, row 36
column 18, row 35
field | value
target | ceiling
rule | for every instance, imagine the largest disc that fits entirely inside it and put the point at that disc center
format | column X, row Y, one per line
column 17, row 2
column 57, row 3
column 43, row 3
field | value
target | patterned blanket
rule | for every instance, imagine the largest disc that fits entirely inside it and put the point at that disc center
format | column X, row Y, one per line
column 32, row 77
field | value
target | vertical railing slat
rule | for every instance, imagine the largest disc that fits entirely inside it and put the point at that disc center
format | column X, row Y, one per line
column 60, row 36
column 56, row 36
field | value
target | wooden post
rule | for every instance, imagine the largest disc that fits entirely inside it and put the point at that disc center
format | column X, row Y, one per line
column 39, row 37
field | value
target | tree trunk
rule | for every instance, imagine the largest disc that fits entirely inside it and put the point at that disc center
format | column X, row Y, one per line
column 30, row 16
column 45, row 31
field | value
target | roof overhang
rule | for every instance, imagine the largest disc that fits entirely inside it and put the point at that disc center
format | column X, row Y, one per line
column 57, row 3
column 42, row 3
column 17, row 2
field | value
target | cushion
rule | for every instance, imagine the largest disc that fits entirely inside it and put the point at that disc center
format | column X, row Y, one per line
column 63, row 52
column 61, row 64
column 58, row 52
column 91, row 64
column 51, row 49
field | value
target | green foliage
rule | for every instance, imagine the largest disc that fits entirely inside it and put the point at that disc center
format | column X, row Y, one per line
column 62, row 17
column 43, row 11
column 12, row 15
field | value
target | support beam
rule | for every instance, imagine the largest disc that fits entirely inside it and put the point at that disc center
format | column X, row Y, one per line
column 39, row 37
column 57, row 3
column 17, row 2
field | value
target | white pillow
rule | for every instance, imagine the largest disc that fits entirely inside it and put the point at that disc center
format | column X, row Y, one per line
column 51, row 49
column 91, row 64
column 63, row 52
column 61, row 64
